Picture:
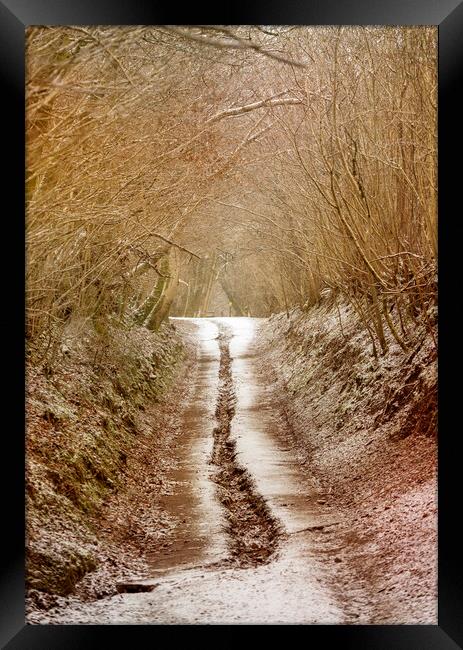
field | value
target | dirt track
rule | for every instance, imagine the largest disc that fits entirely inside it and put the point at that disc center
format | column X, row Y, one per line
column 256, row 540
column 246, row 552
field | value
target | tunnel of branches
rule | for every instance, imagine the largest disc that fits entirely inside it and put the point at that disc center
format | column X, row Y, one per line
column 229, row 171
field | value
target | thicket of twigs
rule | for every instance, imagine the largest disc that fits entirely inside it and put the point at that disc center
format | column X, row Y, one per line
column 357, row 181
column 275, row 162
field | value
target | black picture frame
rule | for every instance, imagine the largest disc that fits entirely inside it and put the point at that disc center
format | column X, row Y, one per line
column 15, row 16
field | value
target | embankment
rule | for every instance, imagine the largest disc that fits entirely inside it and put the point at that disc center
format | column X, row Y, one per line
column 365, row 429
column 94, row 426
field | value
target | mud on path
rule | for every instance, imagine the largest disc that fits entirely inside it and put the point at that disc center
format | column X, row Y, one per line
column 250, row 547
column 253, row 531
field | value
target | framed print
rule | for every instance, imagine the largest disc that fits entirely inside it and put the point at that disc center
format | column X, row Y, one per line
column 240, row 272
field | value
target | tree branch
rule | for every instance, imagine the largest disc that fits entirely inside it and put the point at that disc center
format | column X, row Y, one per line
column 267, row 103
column 236, row 43
column 168, row 241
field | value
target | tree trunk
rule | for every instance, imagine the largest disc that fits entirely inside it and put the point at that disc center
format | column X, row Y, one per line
column 160, row 310
column 231, row 297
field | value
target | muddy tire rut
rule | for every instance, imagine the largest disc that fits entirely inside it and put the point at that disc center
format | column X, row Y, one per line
column 253, row 531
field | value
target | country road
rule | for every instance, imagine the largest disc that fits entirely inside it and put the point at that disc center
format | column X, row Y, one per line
column 246, row 552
